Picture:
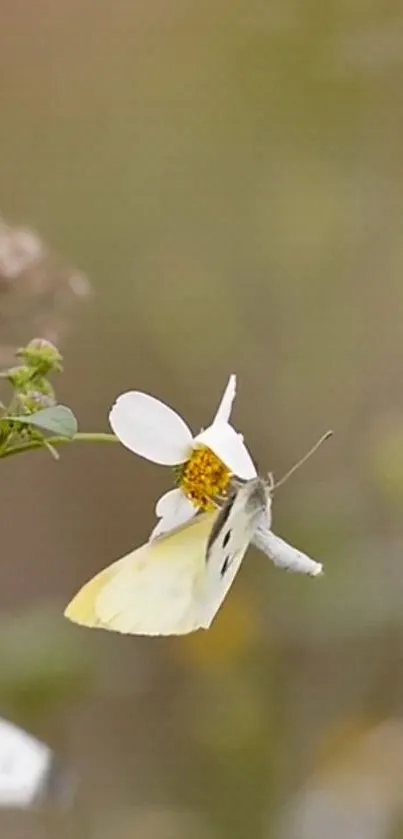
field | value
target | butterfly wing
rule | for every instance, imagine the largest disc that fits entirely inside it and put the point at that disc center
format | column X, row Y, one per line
column 229, row 539
column 175, row 584
column 154, row 590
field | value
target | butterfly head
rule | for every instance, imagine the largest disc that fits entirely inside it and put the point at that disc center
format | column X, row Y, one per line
column 255, row 495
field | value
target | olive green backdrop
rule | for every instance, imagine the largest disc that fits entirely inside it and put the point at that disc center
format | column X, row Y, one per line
column 229, row 175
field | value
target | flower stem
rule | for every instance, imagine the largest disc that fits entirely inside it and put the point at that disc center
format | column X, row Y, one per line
column 80, row 437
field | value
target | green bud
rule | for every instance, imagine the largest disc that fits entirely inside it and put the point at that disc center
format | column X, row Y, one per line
column 19, row 377
column 45, row 389
column 34, row 401
column 42, row 356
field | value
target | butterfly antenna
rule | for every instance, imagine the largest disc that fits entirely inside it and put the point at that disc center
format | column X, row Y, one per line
column 302, row 461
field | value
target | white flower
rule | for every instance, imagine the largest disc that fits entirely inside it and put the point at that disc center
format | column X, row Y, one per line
column 152, row 430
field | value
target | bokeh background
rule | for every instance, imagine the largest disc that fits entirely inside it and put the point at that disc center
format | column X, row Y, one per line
column 228, row 176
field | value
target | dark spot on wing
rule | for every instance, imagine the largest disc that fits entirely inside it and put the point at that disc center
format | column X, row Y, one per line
column 226, row 538
column 220, row 522
column 226, row 564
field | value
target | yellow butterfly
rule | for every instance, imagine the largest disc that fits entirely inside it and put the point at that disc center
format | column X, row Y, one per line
column 177, row 583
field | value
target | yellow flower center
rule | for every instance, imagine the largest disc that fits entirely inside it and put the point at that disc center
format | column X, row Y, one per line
column 203, row 477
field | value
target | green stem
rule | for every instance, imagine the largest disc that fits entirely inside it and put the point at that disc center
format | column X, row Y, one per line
column 80, row 437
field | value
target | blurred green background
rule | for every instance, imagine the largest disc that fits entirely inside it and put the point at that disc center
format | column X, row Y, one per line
column 229, row 176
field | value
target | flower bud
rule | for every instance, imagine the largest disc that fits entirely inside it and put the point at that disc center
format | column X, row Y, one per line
column 34, row 401
column 19, row 377
column 42, row 356
column 44, row 388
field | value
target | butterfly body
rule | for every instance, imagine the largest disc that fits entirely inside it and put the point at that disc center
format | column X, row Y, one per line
column 228, row 542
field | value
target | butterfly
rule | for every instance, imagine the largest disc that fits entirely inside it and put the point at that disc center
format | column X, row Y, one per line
column 176, row 584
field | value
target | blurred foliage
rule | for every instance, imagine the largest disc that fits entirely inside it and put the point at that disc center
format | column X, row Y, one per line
column 37, row 290
column 33, row 409
column 42, row 665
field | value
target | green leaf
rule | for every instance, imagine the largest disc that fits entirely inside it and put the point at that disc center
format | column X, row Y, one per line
column 58, row 420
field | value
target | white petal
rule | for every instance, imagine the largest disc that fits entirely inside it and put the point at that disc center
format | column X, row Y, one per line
column 284, row 555
column 228, row 445
column 224, row 409
column 24, row 763
column 174, row 508
column 151, row 429
column 168, row 501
